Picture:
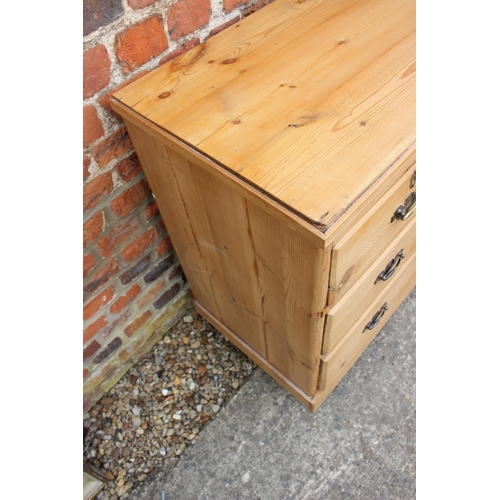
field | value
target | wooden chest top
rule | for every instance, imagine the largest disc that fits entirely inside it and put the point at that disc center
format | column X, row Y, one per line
column 309, row 101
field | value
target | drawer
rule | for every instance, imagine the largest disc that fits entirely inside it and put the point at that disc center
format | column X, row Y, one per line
column 371, row 236
column 336, row 363
column 377, row 278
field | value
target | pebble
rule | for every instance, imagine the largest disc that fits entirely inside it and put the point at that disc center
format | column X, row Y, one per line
column 160, row 405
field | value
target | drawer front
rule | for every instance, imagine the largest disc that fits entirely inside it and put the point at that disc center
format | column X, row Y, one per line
column 335, row 364
column 377, row 278
column 373, row 234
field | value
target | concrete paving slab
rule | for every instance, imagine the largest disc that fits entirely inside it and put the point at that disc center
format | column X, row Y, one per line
column 264, row 445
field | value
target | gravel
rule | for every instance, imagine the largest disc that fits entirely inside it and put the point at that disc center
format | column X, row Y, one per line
column 160, row 405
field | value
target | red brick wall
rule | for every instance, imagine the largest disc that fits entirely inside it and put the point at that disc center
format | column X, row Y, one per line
column 133, row 284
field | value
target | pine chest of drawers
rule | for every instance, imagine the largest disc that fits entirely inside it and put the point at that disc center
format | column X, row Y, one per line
column 281, row 153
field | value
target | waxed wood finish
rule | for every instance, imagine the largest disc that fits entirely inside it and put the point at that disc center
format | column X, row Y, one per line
column 302, row 131
column 278, row 151
column 343, row 315
column 262, row 293
column 357, row 250
column 336, row 363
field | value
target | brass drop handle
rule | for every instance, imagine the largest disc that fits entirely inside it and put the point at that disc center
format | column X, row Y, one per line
column 376, row 318
column 390, row 269
column 407, row 208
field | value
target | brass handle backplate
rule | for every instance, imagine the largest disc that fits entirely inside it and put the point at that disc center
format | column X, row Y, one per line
column 376, row 318
column 407, row 208
column 391, row 267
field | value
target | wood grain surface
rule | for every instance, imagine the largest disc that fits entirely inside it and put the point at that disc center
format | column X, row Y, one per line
column 311, row 127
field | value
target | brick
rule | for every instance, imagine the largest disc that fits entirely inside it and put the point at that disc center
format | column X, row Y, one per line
column 102, row 276
column 230, row 5
column 159, row 269
column 151, row 210
column 150, row 295
column 186, row 16
column 93, row 228
column 97, row 13
column 88, row 264
column 176, row 271
column 140, row 43
column 223, row 26
column 126, row 299
column 133, row 327
column 167, row 296
column 96, row 66
column 86, row 165
column 109, row 349
column 120, row 233
column 91, row 330
column 135, row 271
column 180, row 50
column 91, row 349
column 255, row 7
column 96, row 189
column 130, row 199
column 129, row 167
column 140, row 4
column 140, row 245
column 112, row 147
column 92, row 126
column 162, row 227
column 163, row 247
column 117, row 322
column 97, row 304
column 86, row 373
column 104, row 99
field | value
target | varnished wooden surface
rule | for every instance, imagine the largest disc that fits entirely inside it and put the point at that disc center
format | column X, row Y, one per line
column 308, row 101
column 264, row 281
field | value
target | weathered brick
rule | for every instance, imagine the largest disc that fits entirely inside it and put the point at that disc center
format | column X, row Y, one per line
column 163, row 247
column 140, row 43
column 91, row 330
column 167, row 296
column 180, row 50
column 110, row 348
column 140, row 4
column 140, row 245
column 112, row 147
column 223, row 26
column 130, row 199
column 159, row 269
column 255, row 7
column 96, row 304
column 102, row 276
column 150, row 294
column 96, row 189
column 186, row 16
column 129, row 167
column 230, row 5
column 133, row 327
column 151, row 210
column 176, row 271
column 104, row 99
column 91, row 349
column 96, row 66
column 126, row 299
column 117, row 322
column 86, row 373
column 120, row 233
column 93, row 228
column 162, row 227
column 86, row 165
column 88, row 264
column 135, row 271
column 92, row 126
